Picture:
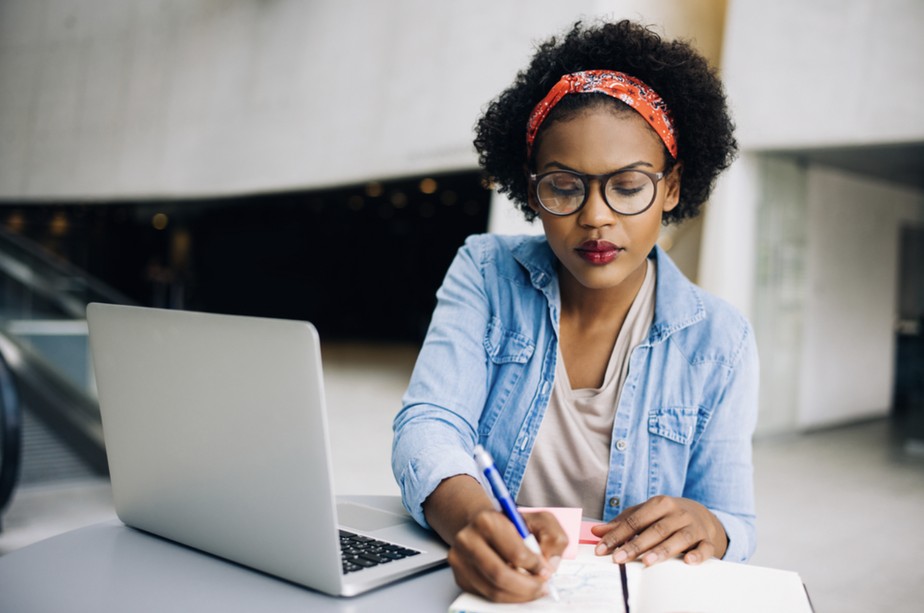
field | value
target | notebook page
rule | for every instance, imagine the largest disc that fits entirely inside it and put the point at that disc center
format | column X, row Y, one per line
column 588, row 584
column 718, row 587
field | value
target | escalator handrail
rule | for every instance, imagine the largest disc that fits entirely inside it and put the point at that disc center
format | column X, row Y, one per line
column 68, row 409
column 41, row 285
column 11, row 435
column 43, row 269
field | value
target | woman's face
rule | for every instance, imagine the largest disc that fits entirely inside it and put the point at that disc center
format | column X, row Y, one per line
column 598, row 248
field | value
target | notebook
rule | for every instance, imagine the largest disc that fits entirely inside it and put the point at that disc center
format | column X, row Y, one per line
column 216, row 434
column 591, row 583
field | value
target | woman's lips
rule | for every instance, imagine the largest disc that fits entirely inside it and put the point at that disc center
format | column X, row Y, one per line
column 598, row 252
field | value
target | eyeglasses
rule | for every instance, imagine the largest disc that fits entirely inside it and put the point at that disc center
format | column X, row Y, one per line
column 565, row 192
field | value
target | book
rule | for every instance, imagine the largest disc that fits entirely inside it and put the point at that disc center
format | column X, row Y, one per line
column 589, row 584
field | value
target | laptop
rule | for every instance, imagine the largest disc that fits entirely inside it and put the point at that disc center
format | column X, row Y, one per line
column 216, row 433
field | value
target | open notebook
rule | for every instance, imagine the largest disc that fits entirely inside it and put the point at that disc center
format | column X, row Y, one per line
column 589, row 584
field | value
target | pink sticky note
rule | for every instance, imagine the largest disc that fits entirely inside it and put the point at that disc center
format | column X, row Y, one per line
column 587, row 537
column 570, row 520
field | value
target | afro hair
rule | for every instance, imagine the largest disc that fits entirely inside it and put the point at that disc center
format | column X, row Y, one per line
column 680, row 75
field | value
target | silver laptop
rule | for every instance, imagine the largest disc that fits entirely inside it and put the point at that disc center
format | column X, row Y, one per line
column 216, row 433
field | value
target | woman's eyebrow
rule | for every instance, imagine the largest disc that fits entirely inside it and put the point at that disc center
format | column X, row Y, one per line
column 561, row 166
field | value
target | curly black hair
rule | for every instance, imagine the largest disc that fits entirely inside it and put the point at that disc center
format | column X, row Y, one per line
column 682, row 77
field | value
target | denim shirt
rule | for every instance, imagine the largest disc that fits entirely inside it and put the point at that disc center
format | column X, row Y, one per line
column 484, row 375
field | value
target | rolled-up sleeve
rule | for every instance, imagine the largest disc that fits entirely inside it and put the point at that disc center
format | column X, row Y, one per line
column 436, row 428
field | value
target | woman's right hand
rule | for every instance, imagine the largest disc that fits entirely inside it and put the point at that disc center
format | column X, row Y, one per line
column 489, row 558
column 487, row 555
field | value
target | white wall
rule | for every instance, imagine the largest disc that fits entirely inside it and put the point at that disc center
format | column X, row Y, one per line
column 113, row 99
column 811, row 254
column 807, row 73
column 851, row 306
column 726, row 265
column 765, row 226
column 825, row 72
column 824, row 264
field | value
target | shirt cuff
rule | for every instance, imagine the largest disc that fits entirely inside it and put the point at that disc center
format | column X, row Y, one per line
column 426, row 470
column 740, row 537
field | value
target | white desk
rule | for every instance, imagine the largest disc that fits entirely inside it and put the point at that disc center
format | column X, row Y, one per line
column 110, row 567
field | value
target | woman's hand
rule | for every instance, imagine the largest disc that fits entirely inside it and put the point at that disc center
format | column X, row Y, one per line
column 661, row 528
column 486, row 553
column 489, row 558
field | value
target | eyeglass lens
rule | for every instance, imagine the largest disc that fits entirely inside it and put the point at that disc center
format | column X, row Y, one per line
column 626, row 192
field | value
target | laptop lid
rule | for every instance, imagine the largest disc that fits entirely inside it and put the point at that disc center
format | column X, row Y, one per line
column 216, row 433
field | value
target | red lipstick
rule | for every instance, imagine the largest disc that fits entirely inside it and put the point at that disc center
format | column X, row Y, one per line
column 598, row 252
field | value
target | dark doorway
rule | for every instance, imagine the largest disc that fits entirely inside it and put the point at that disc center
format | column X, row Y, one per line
column 909, row 359
column 361, row 261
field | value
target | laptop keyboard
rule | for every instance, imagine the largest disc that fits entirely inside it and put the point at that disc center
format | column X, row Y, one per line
column 358, row 552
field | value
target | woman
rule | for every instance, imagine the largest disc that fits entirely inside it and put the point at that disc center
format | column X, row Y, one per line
column 595, row 374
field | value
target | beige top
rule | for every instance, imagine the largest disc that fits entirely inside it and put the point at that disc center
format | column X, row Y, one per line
column 570, row 460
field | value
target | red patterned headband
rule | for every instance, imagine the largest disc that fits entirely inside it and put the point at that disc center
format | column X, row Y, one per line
column 616, row 84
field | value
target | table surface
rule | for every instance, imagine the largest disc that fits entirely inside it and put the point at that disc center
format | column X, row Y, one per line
column 111, row 567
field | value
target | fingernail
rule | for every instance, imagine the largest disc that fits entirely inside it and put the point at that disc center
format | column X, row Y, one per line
column 692, row 558
column 600, row 549
column 620, row 556
column 554, row 561
column 650, row 558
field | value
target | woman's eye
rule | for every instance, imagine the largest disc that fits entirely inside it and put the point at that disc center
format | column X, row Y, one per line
column 566, row 184
column 626, row 191
column 626, row 187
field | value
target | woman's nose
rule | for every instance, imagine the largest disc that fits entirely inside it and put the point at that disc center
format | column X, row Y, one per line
column 596, row 212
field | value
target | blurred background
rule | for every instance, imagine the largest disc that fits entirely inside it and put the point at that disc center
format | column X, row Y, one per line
column 313, row 160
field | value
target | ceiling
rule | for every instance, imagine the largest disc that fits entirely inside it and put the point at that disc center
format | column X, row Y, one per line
column 897, row 163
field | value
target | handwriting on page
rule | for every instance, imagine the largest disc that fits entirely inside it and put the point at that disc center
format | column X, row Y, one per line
column 583, row 585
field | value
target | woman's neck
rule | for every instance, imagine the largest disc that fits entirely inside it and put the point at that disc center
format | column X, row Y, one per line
column 590, row 323
column 591, row 307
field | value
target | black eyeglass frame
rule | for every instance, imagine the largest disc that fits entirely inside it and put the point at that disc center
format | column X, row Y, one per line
column 602, row 180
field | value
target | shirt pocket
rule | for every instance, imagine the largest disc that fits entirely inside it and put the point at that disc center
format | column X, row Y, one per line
column 675, row 423
column 506, row 346
column 671, row 430
column 508, row 352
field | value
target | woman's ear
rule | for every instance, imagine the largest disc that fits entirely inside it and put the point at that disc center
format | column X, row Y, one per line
column 531, row 195
column 672, row 187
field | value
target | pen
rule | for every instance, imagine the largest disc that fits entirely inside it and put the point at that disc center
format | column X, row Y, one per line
column 508, row 506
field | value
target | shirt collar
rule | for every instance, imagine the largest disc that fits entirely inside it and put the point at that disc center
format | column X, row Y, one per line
column 534, row 254
column 677, row 301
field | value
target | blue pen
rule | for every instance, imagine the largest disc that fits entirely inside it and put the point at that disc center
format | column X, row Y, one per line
column 508, row 506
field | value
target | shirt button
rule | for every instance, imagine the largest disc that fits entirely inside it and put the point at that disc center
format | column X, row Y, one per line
column 621, row 445
column 614, row 501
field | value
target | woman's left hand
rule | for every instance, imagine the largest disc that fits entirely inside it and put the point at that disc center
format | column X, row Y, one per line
column 662, row 528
